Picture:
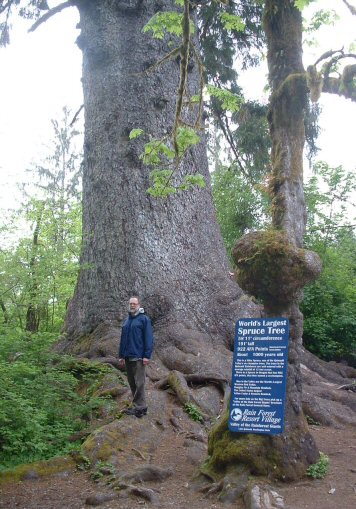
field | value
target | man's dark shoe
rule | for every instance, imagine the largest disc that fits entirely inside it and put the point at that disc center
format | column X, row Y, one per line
column 141, row 413
column 130, row 411
column 135, row 411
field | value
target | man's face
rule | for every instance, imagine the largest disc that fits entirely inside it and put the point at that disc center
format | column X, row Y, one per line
column 133, row 305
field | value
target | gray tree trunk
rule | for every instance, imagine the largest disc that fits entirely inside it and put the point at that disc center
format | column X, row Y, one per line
column 169, row 251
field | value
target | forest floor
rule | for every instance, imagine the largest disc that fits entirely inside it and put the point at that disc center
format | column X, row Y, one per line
column 72, row 489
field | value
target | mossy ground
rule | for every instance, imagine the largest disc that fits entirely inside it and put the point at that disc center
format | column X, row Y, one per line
column 40, row 469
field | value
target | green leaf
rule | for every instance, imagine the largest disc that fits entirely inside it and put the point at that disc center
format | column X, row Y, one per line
column 319, row 469
column 301, row 4
column 135, row 133
column 229, row 101
column 153, row 152
column 321, row 18
column 191, row 181
column 162, row 186
column 232, row 22
column 166, row 22
column 186, row 138
column 352, row 47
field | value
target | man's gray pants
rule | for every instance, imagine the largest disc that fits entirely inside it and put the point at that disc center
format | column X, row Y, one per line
column 136, row 376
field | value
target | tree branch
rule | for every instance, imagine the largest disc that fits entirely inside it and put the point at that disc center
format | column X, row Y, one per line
column 75, row 118
column 6, row 6
column 343, row 85
column 49, row 14
column 184, row 59
column 328, row 54
column 351, row 8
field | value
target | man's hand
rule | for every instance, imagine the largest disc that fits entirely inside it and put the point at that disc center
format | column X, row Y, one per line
column 121, row 363
column 145, row 361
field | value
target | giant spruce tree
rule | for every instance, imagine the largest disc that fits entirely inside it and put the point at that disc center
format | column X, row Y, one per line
column 170, row 250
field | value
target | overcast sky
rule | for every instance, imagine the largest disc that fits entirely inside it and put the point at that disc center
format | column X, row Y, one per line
column 40, row 73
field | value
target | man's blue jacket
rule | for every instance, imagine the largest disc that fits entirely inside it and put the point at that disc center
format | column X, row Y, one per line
column 136, row 337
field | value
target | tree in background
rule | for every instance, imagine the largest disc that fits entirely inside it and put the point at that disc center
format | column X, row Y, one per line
column 240, row 174
column 39, row 271
column 329, row 304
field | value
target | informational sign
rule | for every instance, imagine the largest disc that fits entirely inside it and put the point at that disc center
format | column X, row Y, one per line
column 259, row 375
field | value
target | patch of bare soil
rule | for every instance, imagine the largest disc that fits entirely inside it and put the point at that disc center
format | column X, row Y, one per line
column 338, row 488
column 180, row 453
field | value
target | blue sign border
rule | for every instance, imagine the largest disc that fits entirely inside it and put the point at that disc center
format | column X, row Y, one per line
column 259, row 376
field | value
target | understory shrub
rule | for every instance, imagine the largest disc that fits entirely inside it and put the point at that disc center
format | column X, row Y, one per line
column 44, row 397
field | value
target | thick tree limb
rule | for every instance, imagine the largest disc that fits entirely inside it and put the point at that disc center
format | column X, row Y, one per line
column 344, row 85
column 50, row 13
column 351, row 8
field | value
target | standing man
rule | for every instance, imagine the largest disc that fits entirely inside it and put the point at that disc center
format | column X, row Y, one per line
column 135, row 351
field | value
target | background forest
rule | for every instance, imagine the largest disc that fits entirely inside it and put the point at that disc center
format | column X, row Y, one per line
column 39, row 263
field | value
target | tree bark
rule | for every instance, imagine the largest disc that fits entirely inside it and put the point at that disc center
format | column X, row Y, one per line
column 4, row 310
column 33, row 311
column 169, row 251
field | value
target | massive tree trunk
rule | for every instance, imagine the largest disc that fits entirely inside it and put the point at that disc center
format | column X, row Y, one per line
column 169, row 251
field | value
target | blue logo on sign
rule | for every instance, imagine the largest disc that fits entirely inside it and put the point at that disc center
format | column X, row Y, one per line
column 236, row 414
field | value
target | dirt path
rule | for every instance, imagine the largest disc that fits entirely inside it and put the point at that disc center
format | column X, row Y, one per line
column 70, row 490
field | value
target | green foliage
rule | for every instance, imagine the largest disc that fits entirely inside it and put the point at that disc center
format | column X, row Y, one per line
column 162, row 186
column 320, row 18
column 102, row 468
column 319, row 469
column 232, row 22
column 329, row 304
column 161, row 183
column 228, row 100
column 135, row 133
column 220, row 47
column 39, row 263
column 193, row 412
column 44, row 398
column 159, row 154
column 229, row 16
column 186, row 138
column 240, row 207
column 41, row 275
column 301, row 4
column 191, row 181
column 166, row 22
column 311, row 420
